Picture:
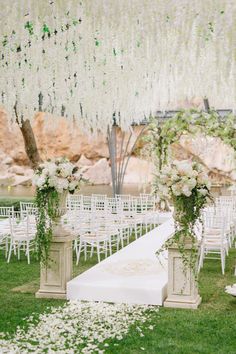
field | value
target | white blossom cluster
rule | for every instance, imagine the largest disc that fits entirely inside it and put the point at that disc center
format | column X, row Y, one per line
column 180, row 178
column 231, row 290
column 78, row 327
column 105, row 57
column 59, row 174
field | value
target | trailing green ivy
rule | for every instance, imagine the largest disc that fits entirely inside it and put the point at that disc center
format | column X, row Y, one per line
column 187, row 214
column 47, row 200
column 53, row 180
column 187, row 186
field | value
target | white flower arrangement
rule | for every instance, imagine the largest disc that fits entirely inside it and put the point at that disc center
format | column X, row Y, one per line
column 181, row 178
column 59, row 174
column 187, row 186
column 231, row 290
column 53, row 179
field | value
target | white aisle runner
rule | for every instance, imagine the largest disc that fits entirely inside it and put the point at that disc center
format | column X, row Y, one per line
column 132, row 275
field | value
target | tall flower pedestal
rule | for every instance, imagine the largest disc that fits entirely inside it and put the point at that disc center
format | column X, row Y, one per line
column 182, row 286
column 54, row 277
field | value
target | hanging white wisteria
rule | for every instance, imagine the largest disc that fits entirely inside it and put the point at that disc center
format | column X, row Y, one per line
column 103, row 59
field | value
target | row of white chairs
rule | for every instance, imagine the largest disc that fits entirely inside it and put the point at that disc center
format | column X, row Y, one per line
column 99, row 223
column 102, row 223
column 17, row 232
column 219, row 228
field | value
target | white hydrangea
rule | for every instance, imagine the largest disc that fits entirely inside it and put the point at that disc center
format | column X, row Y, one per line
column 186, row 191
column 62, row 184
column 184, row 167
column 40, row 181
column 73, row 185
column 180, row 178
column 59, row 174
column 66, row 169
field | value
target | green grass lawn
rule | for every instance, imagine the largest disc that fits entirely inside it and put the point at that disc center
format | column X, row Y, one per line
column 210, row 329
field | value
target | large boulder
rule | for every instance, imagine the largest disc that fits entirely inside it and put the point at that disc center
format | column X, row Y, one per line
column 6, row 179
column 17, row 170
column 22, row 181
column 218, row 157
column 55, row 137
column 99, row 173
column 139, row 171
column 84, row 162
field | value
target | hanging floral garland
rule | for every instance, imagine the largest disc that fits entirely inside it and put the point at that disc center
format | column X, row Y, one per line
column 134, row 57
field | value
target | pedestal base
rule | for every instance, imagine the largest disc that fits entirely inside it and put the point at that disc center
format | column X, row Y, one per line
column 54, row 277
column 182, row 289
column 183, row 304
column 50, row 295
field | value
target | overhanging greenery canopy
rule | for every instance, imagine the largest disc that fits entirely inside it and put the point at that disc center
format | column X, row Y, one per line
column 192, row 122
column 91, row 59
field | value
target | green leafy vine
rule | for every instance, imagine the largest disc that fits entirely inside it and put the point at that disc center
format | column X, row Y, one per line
column 187, row 214
column 47, row 201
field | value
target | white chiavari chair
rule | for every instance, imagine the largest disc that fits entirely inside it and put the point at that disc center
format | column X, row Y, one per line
column 214, row 240
column 23, row 232
column 5, row 213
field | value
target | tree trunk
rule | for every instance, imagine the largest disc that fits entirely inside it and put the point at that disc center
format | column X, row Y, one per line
column 30, row 143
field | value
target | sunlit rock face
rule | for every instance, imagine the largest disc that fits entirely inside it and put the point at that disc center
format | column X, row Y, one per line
column 59, row 138
column 54, row 138
column 218, row 158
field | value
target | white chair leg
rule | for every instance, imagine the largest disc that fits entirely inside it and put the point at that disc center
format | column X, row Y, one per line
column 10, row 250
column 18, row 250
column 200, row 264
column 6, row 247
column 136, row 232
column 121, row 239
column 85, row 251
column 91, row 251
column 118, row 242
column 222, row 255
column 98, row 253
column 78, row 252
column 110, row 248
column 28, row 253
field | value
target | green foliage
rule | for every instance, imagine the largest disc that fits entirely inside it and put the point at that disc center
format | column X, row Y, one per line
column 30, row 27
column 187, row 211
column 47, row 201
column 162, row 136
column 192, row 121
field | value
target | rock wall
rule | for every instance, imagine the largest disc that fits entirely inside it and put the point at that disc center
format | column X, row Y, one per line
column 59, row 137
column 218, row 158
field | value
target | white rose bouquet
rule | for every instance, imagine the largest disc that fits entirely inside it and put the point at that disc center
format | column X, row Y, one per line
column 181, row 178
column 53, row 179
column 59, row 174
column 187, row 187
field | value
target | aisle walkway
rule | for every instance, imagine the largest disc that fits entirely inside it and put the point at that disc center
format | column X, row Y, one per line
column 133, row 275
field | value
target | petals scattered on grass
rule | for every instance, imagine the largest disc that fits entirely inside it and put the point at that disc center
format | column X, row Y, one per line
column 77, row 327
